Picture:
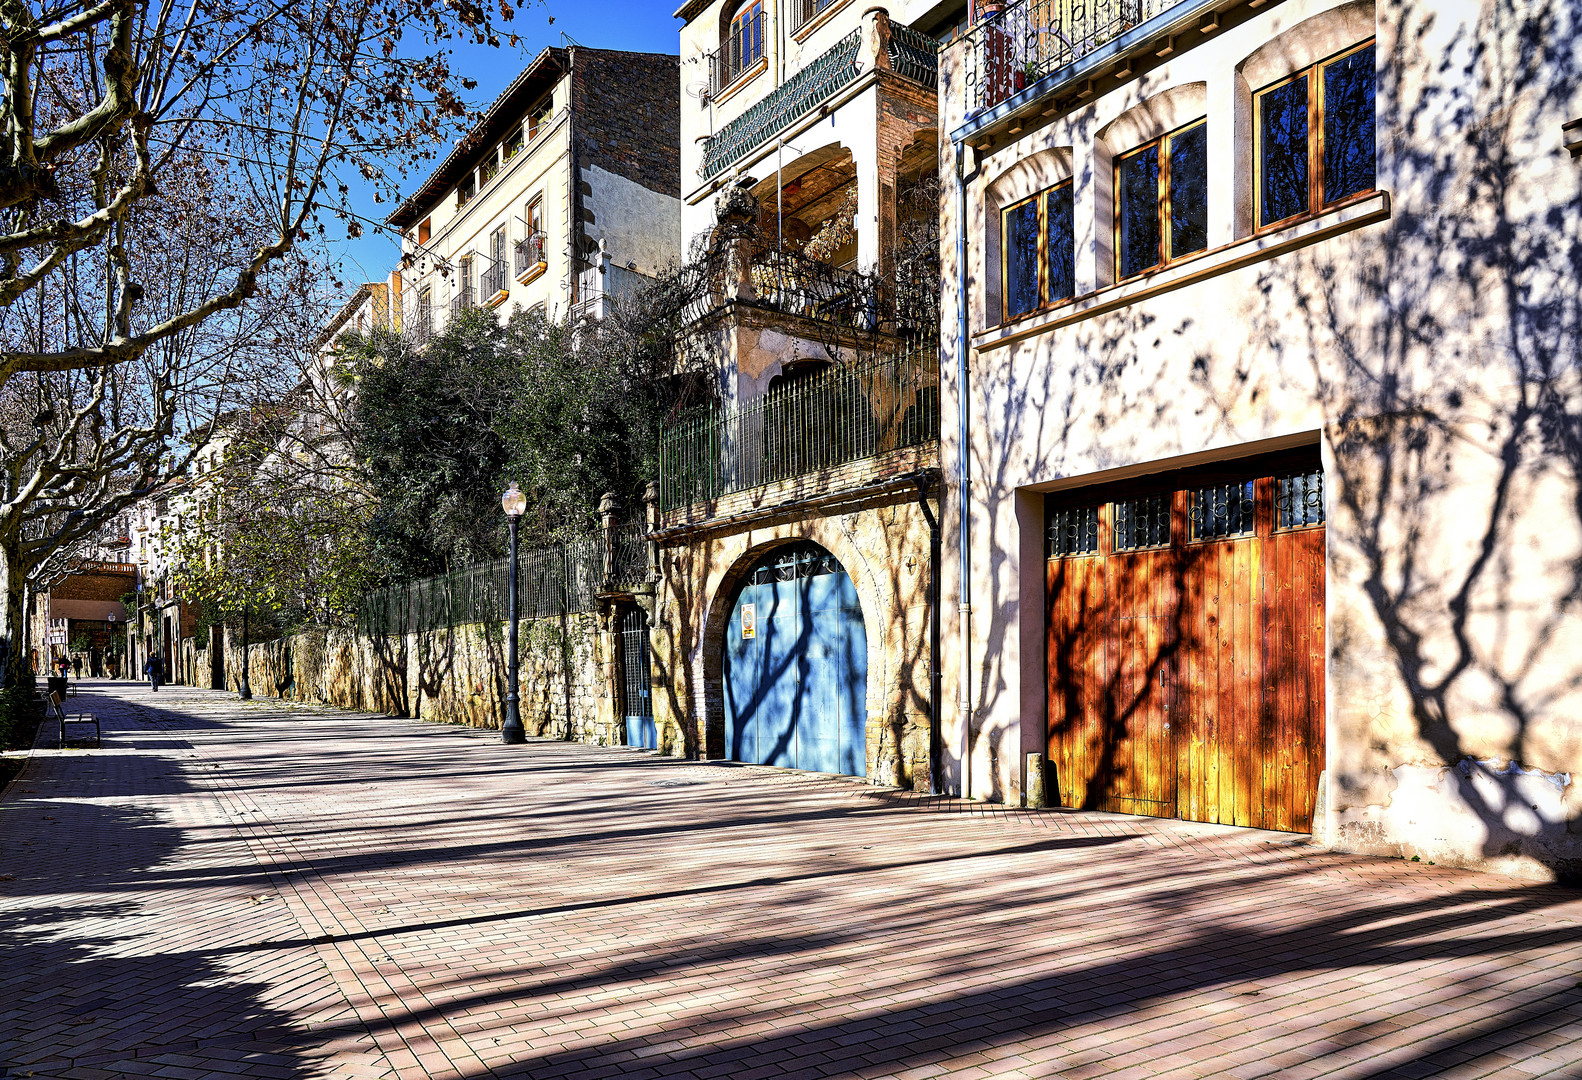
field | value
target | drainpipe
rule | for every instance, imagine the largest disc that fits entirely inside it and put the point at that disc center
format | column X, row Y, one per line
column 935, row 670
column 963, row 470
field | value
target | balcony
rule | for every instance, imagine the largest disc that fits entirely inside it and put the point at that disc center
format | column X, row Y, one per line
column 493, row 281
column 911, row 54
column 740, row 53
column 833, row 418
column 530, row 261
column 1013, row 48
column 796, row 285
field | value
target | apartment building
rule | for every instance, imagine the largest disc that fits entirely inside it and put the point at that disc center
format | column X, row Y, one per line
column 797, row 513
column 1261, row 408
column 562, row 195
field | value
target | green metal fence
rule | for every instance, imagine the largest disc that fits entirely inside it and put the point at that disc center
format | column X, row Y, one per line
column 559, row 580
column 828, row 419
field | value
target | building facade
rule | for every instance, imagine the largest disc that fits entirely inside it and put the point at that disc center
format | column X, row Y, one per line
column 559, row 197
column 1265, row 365
column 798, row 511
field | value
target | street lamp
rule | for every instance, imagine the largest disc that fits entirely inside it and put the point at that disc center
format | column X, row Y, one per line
column 515, row 505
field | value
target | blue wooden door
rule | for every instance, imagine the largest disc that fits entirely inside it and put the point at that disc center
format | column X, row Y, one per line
column 796, row 666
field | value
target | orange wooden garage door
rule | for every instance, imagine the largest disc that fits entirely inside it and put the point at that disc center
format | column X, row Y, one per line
column 1186, row 644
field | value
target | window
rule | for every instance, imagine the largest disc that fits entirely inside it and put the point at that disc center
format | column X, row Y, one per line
column 535, row 216
column 489, row 169
column 1073, row 531
column 1142, row 523
column 539, row 117
column 465, row 191
column 1039, row 251
column 744, row 43
column 1299, row 500
column 423, row 230
column 512, row 145
column 1161, row 201
column 1222, row 510
column 1316, row 137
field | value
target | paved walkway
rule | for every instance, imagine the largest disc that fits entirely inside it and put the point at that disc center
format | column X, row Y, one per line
column 252, row 889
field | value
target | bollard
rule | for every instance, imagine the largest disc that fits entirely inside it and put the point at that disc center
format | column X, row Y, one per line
column 1036, row 798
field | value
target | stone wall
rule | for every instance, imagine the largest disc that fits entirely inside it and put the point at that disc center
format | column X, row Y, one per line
column 452, row 676
column 882, row 539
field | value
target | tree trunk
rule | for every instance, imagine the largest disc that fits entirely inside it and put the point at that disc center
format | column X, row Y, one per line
column 13, row 613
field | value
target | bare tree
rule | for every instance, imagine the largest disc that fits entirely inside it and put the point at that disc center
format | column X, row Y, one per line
column 159, row 164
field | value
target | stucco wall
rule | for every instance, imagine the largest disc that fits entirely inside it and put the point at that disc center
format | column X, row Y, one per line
column 1429, row 342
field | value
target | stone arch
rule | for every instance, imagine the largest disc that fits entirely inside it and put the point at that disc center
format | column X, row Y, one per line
column 827, row 532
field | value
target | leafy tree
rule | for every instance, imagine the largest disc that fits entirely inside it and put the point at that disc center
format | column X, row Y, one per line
column 567, row 409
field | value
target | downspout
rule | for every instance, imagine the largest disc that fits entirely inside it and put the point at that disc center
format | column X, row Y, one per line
column 963, row 470
column 935, row 671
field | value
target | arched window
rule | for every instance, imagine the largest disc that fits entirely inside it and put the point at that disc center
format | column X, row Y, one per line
column 741, row 45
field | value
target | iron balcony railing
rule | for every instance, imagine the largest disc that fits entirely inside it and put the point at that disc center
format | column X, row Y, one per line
column 1012, row 48
column 529, row 253
column 494, row 281
column 561, row 580
column 740, row 51
column 832, row 418
column 795, row 284
column 914, row 55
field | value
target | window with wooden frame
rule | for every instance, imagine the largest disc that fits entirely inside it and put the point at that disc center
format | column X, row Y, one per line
column 1038, row 251
column 744, row 42
column 1161, row 201
column 513, row 144
column 1314, row 137
column 538, row 118
column 489, row 169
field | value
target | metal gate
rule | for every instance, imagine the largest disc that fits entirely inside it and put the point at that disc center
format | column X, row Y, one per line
column 796, row 666
column 637, row 699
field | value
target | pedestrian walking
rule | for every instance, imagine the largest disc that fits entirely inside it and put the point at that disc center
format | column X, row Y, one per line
column 63, row 666
column 155, row 670
column 76, row 665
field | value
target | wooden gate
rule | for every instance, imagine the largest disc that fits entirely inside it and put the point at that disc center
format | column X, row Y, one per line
column 1186, row 644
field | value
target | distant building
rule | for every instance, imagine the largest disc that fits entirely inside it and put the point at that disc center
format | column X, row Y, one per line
column 563, row 194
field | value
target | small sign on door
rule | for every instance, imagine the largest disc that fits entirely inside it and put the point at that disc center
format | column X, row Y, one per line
column 749, row 621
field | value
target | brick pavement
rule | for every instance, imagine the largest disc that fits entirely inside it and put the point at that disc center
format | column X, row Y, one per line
column 258, row 889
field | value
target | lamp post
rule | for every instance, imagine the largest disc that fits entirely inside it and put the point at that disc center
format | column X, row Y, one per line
column 244, row 689
column 514, row 504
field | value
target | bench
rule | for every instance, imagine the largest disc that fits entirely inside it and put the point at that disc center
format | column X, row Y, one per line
column 58, row 710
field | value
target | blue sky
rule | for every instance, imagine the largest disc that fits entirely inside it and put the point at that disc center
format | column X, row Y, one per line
column 616, row 24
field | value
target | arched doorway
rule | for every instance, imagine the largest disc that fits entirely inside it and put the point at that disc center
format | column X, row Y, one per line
column 796, row 665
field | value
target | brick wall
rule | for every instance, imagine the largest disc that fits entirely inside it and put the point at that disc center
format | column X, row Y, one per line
column 94, row 586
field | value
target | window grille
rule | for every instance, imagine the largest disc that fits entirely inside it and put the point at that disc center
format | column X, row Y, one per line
column 1223, row 510
column 1143, row 522
column 1073, row 531
column 1300, row 500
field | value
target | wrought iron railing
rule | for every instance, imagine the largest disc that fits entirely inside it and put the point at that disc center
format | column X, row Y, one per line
column 831, row 418
column 529, row 253
column 494, row 278
column 914, row 55
column 560, row 580
column 1012, row 48
column 795, row 284
column 743, row 48
column 798, row 285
